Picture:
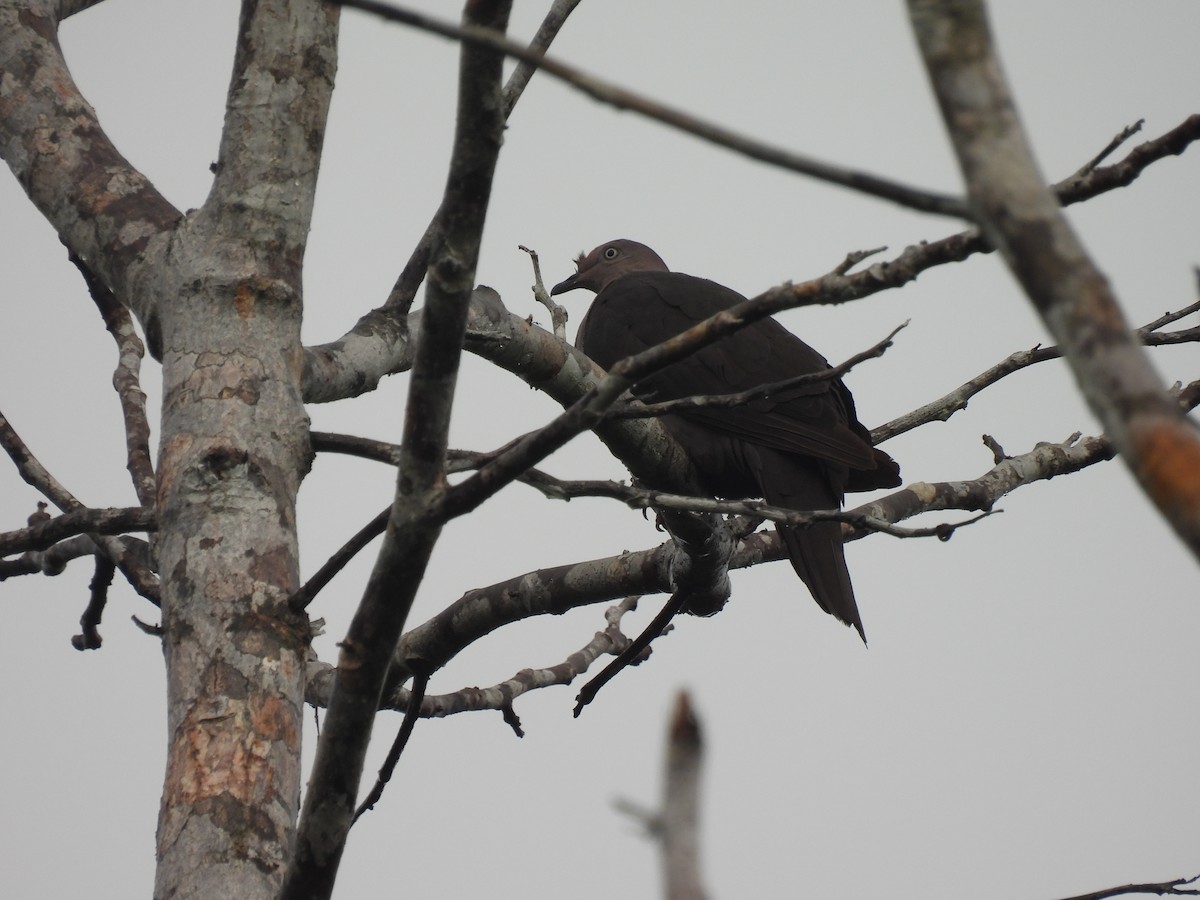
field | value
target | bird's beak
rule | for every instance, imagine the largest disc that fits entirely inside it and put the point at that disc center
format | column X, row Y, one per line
column 566, row 285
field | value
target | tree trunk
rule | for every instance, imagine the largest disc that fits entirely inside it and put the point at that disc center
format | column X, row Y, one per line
column 235, row 447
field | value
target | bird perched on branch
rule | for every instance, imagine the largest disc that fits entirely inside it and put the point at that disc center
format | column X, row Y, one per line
column 801, row 448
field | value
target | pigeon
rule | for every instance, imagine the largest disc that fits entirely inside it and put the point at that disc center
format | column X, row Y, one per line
column 801, row 448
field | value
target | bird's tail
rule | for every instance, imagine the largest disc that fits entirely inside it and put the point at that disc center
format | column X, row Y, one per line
column 816, row 551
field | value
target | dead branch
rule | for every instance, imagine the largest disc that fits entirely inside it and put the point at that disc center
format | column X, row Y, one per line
column 943, row 408
column 558, row 314
column 1175, row 888
column 1021, row 217
column 127, row 383
column 143, row 580
column 500, row 696
column 382, row 342
column 605, row 92
column 555, row 590
column 89, row 638
column 414, row 526
column 647, row 410
column 80, row 520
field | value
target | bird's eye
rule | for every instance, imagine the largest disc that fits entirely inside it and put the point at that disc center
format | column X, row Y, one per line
column 611, row 252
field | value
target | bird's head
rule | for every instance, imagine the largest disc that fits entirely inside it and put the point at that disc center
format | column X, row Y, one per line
column 608, row 262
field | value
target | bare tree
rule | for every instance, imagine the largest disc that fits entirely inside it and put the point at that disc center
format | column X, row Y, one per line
column 216, row 294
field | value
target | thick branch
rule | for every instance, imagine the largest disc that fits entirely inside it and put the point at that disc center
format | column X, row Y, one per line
column 412, row 531
column 555, row 590
column 275, row 117
column 381, row 342
column 499, row 696
column 80, row 520
column 1020, row 216
column 105, row 211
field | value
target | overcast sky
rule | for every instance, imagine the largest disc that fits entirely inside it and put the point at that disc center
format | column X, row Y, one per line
column 1024, row 723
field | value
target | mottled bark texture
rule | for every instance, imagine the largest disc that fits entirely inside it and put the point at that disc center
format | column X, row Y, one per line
column 234, row 449
column 1021, row 217
column 218, row 294
column 107, row 213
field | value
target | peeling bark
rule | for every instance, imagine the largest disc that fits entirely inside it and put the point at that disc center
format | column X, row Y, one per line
column 234, row 449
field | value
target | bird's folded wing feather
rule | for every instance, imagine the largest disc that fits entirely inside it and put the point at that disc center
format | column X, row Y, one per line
column 640, row 311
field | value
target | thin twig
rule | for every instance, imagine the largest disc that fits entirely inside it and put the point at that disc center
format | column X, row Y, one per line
column 411, row 714
column 632, row 654
column 740, row 398
column 637, row 497
column 555, row 19
column 854, row 257
column 944, row 407
column 1125, row 134
column 144, row 581
column 1176, row 888
column 1074, row 300
column 553, row 591
column 126, row 381
column 354, row 445
column 606, row 92
column 89, row 638
column 339, row 560
column 558, row 314
column 610, row 641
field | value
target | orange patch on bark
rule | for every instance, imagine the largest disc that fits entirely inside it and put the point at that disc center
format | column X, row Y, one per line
column 243, row 300
column 229, row 751
column 1169, row 464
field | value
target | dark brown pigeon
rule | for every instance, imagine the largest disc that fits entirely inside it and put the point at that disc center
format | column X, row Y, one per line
column 801, row 449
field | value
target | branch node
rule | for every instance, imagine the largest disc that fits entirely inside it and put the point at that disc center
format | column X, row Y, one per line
column 854, row 257
column 998, row 454
column 511, row 719
column 147, row 628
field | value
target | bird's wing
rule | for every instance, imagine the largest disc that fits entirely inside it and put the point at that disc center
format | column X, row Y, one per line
column 640, row 311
